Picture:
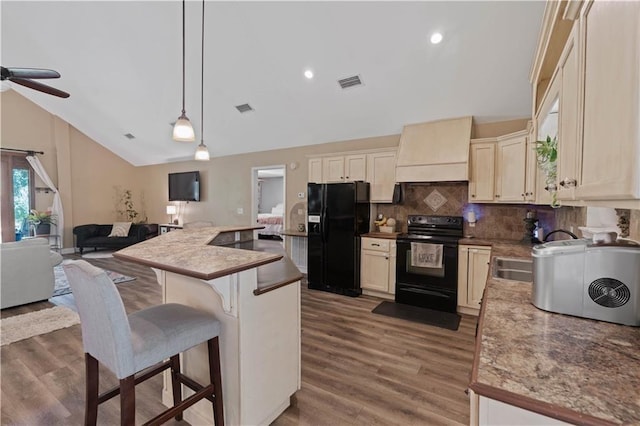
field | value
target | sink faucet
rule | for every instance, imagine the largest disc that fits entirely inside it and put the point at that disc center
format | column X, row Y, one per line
column 574, row 236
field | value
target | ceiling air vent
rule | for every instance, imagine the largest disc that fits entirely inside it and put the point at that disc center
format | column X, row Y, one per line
column 348, row 82
column 244, row 108
column 129, row 136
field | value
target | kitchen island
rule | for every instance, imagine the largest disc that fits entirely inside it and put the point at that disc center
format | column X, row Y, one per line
column 536, row 366
column 253, row 290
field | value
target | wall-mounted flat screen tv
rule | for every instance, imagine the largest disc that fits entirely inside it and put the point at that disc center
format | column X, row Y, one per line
column 184, row 186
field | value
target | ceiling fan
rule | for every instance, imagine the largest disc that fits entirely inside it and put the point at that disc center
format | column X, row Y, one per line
column 25, row 77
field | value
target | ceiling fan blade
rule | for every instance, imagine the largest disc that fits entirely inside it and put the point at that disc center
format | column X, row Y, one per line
column 36, row 73
column 40, row 87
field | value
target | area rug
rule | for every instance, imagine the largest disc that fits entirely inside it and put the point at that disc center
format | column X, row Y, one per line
column 104, row 254
column 440, row 319
column 20, row 327
column 62, row 284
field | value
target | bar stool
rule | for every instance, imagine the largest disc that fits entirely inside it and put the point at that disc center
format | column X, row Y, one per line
column 139, row 346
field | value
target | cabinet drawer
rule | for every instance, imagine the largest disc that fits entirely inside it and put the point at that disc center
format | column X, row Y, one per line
column 375, row 244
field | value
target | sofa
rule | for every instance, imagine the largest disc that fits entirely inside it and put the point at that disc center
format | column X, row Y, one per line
column 97, row 236
column 27, row 271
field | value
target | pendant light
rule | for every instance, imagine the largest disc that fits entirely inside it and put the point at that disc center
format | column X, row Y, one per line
column 202, row 153
column 183, row 130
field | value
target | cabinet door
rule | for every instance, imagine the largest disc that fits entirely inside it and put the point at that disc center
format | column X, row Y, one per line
column 392, row 268
column 333, row 169
column 374, row 270
column 355, row 167
column 478, row 268
column 531, row 172
column 611, row 119
column 381, row 175
column 315, row 170
column 568, row 133
column 482, row 179
column 511, row 169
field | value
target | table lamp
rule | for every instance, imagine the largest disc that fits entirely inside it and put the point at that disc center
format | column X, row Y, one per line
column 171, row 210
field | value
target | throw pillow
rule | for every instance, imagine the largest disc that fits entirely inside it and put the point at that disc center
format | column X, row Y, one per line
column 120, row 229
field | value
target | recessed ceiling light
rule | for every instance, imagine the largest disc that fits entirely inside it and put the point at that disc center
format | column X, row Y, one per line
column 308, row 74
column 436, row 38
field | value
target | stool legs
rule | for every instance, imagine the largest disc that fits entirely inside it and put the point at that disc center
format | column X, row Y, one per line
column 91, row 390
column 128, row 401
column 216, row 380
column 175, row 383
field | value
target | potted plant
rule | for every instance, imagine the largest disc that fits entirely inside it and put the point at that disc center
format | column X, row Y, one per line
column 547, row 156
column 41, row 222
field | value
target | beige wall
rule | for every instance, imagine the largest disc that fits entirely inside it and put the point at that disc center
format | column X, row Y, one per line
column 226, row 181
column 83, row 171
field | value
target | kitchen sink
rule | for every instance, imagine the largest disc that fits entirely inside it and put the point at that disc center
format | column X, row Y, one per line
column 513, row 269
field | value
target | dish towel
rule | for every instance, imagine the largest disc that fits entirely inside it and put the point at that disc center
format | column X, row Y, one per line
column 426, row 255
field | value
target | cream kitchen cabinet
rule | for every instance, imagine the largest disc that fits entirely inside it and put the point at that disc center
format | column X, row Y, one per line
column 315, row 170
column 378, row 266
column 487, row 411
column 483, row 170
column 610, row 43
column 473, row 268
column 381, row 175
column 510, row 167
column 568, row 74
column 347, row 168
column 531, row 170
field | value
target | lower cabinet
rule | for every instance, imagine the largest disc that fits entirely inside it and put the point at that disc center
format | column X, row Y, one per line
column 473, row 267
column 378, row 267
column 487, row 411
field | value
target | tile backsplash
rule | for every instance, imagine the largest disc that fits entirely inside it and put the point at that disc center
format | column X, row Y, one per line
column 504, row 221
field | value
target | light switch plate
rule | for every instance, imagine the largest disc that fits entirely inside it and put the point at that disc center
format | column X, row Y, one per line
column 301, row 195
column 240, row 210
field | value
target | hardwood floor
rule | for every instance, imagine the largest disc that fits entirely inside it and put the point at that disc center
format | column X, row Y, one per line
column 357, row 367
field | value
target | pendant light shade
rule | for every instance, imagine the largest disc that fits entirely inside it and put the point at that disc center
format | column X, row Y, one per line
column 202, row 153
column 183, row 130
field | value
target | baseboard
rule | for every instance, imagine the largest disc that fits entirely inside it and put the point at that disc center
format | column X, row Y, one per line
column 68, row 250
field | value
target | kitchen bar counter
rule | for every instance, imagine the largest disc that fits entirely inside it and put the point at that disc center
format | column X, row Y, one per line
column 254, row 291
column 189, row 252
column 573, row 369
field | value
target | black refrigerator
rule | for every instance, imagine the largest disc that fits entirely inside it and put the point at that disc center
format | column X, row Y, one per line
column 338, row 214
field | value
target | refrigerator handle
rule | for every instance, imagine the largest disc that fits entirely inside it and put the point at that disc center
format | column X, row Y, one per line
column 323, row 218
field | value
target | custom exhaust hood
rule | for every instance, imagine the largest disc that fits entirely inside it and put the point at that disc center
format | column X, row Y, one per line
column 435, row 151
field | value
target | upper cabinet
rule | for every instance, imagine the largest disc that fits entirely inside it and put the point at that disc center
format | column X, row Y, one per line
column 510, row 167
column 594, row 93
column 315, row 170
column 483, row 174
column 349, row 168
column 500, row 169
column 611, row 118
column 381, row 174
column 377, row 166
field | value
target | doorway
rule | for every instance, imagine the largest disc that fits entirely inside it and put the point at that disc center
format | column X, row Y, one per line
column 268, row 201
column 17, row 193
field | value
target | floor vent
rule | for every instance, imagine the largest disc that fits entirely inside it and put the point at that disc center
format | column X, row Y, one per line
column 348, row 82
column 244, row 108
column 129, row 136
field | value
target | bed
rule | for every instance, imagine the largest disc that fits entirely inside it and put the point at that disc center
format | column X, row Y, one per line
column 272, row 222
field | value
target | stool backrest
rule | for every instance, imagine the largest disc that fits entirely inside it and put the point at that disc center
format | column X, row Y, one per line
column 106, row 334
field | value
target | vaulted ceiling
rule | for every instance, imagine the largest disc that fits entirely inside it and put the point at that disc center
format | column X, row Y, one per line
column 122, row 63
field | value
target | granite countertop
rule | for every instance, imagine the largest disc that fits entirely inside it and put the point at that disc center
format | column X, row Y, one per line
column 188, row 252
column 573, row 369
column 293, row 233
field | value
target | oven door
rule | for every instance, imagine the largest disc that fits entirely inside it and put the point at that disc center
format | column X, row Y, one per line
column 444, row 277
